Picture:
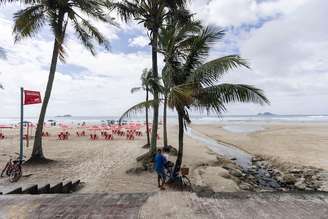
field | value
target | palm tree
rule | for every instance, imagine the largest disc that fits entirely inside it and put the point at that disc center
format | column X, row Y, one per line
column 169, row 46
column 194, row 82
column 153, row 14
column 146, row 81
column 58, row 14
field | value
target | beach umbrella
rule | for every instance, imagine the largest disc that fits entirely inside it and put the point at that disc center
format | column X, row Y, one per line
column 6, row 127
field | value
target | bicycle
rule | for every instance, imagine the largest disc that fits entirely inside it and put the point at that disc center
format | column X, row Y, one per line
column 13, row 170
column 180, row 180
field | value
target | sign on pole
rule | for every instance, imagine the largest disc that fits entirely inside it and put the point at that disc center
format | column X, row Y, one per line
column 27, row 98
column 32, row 97
column 21, row 125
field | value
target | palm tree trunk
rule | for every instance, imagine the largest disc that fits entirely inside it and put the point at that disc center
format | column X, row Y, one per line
column 147, row 121
column 155, row 94
column 164, row 122
column 180, row 151
column 37, row 153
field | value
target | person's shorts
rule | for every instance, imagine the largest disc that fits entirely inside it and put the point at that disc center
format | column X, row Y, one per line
column 161, row 173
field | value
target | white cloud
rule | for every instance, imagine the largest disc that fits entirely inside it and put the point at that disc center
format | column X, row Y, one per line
column 238, row 12
column 288, row 57
column 102, row 89
column 287, row 54
column 139, row 41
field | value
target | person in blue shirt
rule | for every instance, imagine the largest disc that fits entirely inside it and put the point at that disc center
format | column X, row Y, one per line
column 160, row 162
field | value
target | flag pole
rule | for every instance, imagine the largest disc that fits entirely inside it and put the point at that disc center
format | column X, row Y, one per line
column 21, row 126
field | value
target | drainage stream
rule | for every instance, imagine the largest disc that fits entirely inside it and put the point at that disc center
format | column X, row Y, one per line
column 262, row 177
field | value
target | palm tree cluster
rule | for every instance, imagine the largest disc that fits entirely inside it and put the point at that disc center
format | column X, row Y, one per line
column 187, row 81
column 191, row 81
column 153, row 14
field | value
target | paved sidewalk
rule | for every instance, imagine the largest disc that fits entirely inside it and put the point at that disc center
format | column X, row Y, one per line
column 100, row 206
column 240, row 205
column 166, row 205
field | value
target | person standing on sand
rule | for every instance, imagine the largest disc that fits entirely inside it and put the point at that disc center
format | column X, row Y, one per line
column 160, row 162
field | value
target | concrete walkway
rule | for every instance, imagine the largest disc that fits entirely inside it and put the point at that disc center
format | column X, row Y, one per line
column 166, row 205
column 124, row 206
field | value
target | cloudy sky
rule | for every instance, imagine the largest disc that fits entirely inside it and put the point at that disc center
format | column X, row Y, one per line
column 285, row 41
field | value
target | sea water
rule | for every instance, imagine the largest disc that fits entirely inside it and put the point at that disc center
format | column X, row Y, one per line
column 232, row 123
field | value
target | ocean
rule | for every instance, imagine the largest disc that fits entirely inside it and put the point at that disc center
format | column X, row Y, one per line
column 197, row 119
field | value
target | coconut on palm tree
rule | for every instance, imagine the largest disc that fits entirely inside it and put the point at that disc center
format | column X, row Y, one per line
column 59, row 14
column 152, row 14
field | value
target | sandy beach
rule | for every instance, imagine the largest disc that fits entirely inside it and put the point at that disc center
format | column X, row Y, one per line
column 298, row 143
column 101, row 165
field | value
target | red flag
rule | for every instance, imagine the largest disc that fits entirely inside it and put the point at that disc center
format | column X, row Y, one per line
column 32, row 97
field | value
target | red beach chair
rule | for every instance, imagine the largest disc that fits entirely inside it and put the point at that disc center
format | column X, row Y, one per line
column 129, row 136
column 108, row 137
column 93, row 137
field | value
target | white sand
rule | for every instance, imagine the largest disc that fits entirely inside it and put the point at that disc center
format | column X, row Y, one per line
column 102, row 165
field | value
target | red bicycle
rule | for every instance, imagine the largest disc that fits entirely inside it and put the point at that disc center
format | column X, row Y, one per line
column 13, row 170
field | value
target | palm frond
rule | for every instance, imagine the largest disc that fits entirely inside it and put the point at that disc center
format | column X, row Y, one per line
column 211, row 71
column 135, row 89
column 95, row 9
column 180, row 96
column 125, row 9
column 29, row 21
column 137, row 108
column 173, row 4
column 84, row 36
column 200, row 45
column 95, row 34
column 215, row 97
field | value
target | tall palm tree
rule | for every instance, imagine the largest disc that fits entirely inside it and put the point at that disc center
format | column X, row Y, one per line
column 169, row 46
column 58, row 14
column 146, row 83
column 194, row 82
column 153, row 14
